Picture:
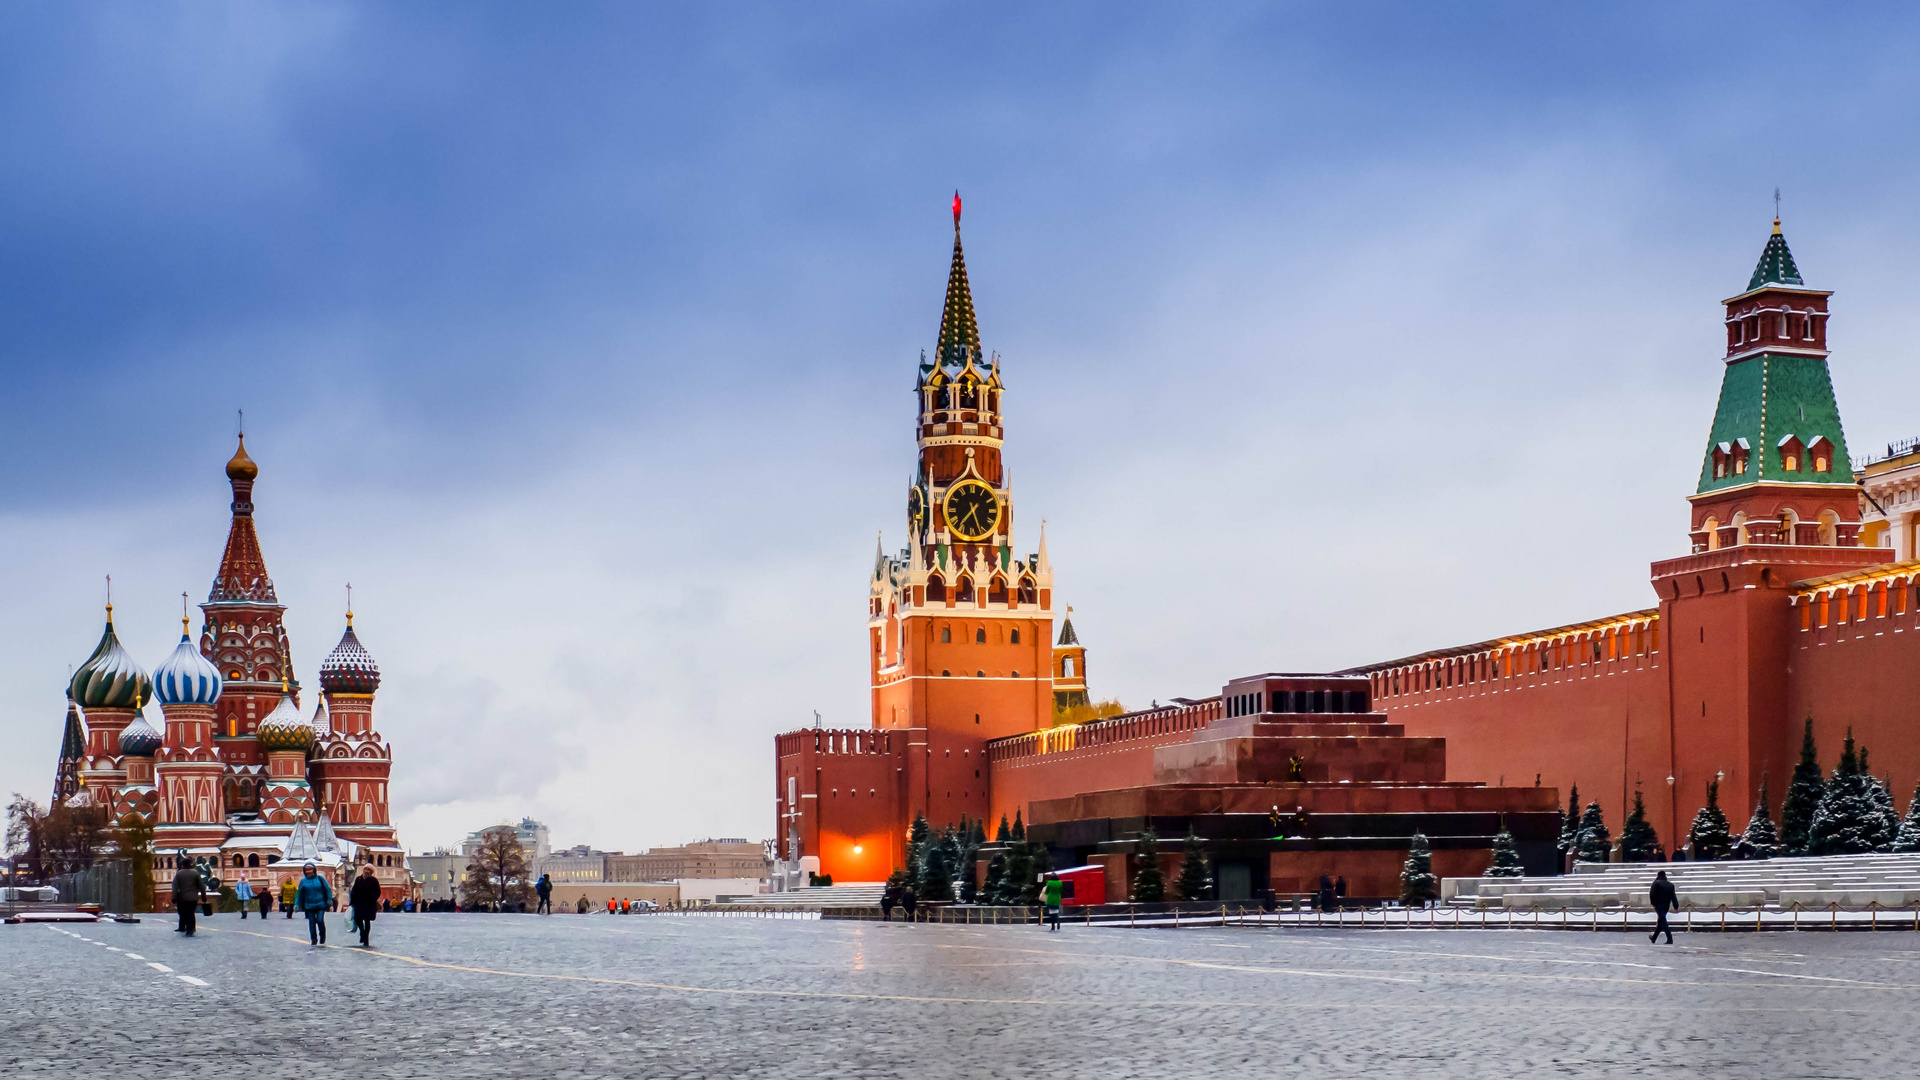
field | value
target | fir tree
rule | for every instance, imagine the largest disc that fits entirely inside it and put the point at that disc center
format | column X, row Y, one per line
column 1196, row 877
column 1907, row 840
column 1759, row 841
column 1015, row 874
column 1019, row 830
column 1803, row 798
column 936, row 876
column 1570, row 823
column 1418, row 886
column 917, row 852
column 1041, row 860
column 1506, row 857
column 969, row 865
column 1883, row 802
column 1002, row 836
column 1595, row 843
column 996, row 873
column 1849, row 820
column 1711, row 836
column 1638, row 840
column 1149, row 884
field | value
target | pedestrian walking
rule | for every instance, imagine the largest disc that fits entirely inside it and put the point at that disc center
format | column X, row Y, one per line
column 315, row 897
column 287, row 890
column 908, row 900
column 1664, row 896
column 544, row 888
column 186, row 894
column 243, row 892
column 364, row 898
column 265, row 896
column 1051, row 894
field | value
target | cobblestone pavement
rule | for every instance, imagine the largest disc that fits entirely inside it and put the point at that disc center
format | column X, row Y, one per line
column 665, row 996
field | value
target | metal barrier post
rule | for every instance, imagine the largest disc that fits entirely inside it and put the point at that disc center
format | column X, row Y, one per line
column 1835, row 908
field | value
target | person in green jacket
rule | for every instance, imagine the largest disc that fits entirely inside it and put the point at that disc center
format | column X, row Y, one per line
column 1051, row 892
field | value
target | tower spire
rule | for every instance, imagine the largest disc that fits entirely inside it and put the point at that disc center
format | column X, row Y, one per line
column 959, row 332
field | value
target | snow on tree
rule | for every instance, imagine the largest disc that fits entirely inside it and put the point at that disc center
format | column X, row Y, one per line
column 1710, row 835
column 1759, row 841
column 1506, row 857
column 1418, row 886
column 1803, row 798
column 1196, row 877
column 1907, row 840
column 1149, row 884
column 1849, row 819
column 1570, row 823
column 1593, row 843
column 1638, row 840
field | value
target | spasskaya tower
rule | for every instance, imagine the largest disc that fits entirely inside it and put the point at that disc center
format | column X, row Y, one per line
column 959, row 626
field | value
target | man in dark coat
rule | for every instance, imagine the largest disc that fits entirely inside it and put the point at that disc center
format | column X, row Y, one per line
column 1326, row 893
column 364, row 898
column 1663, row 897
column 186, row 893
column 544, row 887
column 908, row 901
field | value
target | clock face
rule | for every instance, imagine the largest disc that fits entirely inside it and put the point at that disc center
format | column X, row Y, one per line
column 973, row 511
column 916, row 506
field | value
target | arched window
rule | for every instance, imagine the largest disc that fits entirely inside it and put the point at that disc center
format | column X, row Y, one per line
column 1712, row 529
column 937, row 588
column 997, row 590
column 1066, row 668
column 1028, row 594
column 1014, row 638
column 253, row 860
column 964, row 593
column 980, row 636
column 946, row 635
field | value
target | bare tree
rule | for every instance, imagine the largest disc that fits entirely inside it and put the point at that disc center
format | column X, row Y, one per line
column 497, row 871
column 58, row 841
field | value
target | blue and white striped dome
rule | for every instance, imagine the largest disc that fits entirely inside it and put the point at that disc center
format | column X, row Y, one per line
column 186, row 678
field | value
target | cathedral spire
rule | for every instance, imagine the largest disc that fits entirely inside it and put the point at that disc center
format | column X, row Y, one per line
column 959, row 333
column 243, row 570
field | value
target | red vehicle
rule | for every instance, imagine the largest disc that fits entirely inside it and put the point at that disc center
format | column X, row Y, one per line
column 1082, row 886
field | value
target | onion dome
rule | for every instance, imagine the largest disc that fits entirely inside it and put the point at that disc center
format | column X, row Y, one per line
column 110, row 679
column 349, row 668
column 185, row 677
column 240, row 466
column 139, row 739
column 284, row 728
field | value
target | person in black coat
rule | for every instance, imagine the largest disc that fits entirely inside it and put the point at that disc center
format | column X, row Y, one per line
column 1663, row 897
column 364, row 898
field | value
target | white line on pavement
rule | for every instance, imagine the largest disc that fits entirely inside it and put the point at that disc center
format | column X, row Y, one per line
column 133, row 956
column 193, row 981
column 160, row 967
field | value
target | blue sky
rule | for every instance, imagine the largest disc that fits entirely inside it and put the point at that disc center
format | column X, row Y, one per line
column 581, row 339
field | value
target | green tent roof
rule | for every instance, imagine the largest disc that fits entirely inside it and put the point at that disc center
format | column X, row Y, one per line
column 1776, row 263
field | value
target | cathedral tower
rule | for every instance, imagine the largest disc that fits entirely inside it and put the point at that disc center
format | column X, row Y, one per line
column 959, row 628
column 351, row 761
column 243, row 635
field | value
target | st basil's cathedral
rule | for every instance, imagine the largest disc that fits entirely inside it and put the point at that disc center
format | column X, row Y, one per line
column 238, row 773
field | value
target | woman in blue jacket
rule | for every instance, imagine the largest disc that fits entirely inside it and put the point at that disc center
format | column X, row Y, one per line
column 315, row 898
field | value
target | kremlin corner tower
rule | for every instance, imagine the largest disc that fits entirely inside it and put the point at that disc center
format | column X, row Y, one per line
column 237, row 778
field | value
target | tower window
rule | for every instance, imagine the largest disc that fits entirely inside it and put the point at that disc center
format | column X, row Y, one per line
column 1016, row 637
column 946, row 635
column 980, row 636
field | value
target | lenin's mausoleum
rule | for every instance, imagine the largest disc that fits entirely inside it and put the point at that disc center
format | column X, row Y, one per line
column 1785, row 602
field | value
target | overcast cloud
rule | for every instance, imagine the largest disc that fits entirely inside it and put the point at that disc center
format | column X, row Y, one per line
column 581, row 339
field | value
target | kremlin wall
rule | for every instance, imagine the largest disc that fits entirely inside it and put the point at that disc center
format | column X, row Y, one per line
column 1784, row 603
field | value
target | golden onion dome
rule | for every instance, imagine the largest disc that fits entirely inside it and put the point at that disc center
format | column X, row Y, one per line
column 240, row 466
column 283, row 729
